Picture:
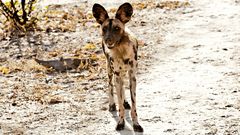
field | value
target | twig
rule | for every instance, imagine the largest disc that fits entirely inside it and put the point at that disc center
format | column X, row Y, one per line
column 5, row 14
column 8, row 13
column 6, row 10
column 30, row 7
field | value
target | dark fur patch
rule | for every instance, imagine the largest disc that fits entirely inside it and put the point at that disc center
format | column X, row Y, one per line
column 111, row 59
column 112, row 108
column 135, row 52
column 125, row 61
column 130, row 86
column 110, row 23
column 137, row 128
column 131, row 71
column 134, row 79
column 111, row 92
column 131, row 63
column 110, row 81
column 117, row 73
column 120, row 126
column 126, row 105
column 104, row 49
column 132, row 98
column 111, row 67
column 121, row 94
column 135, row 112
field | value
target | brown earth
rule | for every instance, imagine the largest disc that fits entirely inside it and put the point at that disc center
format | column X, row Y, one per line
column 188, row 81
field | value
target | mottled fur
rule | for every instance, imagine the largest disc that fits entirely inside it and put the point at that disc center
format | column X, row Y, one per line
column 121, row 53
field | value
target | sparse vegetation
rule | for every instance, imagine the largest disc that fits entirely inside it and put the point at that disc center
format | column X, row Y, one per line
column 18, row 15
column 188, row 74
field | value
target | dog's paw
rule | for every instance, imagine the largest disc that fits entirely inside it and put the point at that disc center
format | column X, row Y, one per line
column 126, row 105
column 120, row 126
column 137, row 128
column 112, row 108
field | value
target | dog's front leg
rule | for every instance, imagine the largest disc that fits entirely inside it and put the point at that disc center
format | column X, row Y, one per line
column 112, row 106
column 136, row 126
column 119, row 89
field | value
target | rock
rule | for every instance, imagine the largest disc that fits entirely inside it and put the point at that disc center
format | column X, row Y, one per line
column 63, row 64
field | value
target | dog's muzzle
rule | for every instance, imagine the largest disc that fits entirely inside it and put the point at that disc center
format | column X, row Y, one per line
column 110, row 46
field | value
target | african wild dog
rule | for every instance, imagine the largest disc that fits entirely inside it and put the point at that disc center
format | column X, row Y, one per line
column 121, row 53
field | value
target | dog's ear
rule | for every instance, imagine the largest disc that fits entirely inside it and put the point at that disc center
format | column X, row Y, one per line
column 99, row 13
column 124, row 12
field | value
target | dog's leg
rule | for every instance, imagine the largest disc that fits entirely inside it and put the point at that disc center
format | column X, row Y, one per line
column 125, row 104
column 136, row 126
column 112, row 106
column 119, row 89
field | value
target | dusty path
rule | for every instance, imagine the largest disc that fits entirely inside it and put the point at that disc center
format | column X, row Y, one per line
column 195, row 89
column 194, row 86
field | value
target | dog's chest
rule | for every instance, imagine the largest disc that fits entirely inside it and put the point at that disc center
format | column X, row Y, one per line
column 117, row 64
column 121, row 59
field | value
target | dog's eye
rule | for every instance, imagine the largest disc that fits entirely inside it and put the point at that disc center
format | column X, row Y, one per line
column 116, row 28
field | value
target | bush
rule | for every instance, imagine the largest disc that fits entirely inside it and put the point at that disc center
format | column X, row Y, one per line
column 19, row 15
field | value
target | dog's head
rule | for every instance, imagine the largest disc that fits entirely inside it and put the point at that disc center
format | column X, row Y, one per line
column 112, row 29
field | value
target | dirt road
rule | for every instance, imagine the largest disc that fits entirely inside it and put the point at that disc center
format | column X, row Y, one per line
column 194, row 88
column 194, row 85
column 191, row 84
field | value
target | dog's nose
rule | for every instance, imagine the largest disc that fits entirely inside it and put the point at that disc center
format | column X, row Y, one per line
column 109, row 41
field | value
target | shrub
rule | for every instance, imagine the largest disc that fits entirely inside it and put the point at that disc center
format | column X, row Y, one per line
column 18, row 15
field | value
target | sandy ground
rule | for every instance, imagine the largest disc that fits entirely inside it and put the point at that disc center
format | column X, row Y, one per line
column 190, row 83
column 194, row 88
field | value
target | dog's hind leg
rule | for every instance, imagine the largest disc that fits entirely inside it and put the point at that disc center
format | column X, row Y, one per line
column 126, row 104
column 136, row 126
